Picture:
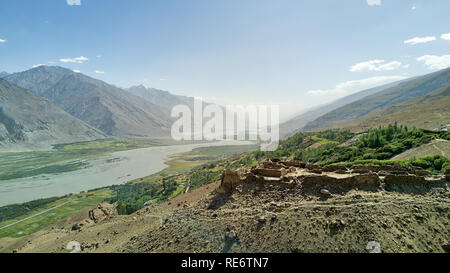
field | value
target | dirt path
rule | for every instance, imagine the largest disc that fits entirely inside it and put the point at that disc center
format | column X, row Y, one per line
column 439, row 149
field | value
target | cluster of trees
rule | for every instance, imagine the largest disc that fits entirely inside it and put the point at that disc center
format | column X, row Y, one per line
column 297, row 144
column 377, row 138
column 203, row 177
column 386, row 142
column 132, row 197
column 433, row 163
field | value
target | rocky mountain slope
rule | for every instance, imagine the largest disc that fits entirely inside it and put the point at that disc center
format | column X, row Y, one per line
column 103, row 106
column 431, row 111
column 28, row 119
column 167, row 100
column 417, row 87
column 297, row 123
column 277, row 206
column 160, row 97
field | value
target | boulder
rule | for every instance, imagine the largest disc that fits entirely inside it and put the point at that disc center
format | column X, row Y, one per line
column 325, row 192
column 446, row 247
column 76, row 227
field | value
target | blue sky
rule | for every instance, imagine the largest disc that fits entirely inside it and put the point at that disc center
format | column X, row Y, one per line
column 294, row 53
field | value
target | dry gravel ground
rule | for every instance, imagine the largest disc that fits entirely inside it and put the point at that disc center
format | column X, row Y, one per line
column 435, row 147
column 278, row 218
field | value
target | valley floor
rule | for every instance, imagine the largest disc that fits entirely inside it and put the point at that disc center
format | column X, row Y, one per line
column 25, row 219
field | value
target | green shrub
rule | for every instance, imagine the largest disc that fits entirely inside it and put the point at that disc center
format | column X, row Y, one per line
column 439, row 163
column 421, row 163
column 446, row 166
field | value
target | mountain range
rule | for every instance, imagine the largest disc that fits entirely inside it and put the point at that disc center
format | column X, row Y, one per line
column 27, row 118
column 54, row 97
column 108, row 108
column 413, row 88
column 431, row 112
column 298, row 122
column 162, row 98
column 356, row 109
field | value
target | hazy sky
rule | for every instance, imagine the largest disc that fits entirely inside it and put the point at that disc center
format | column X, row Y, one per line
column 294, row 53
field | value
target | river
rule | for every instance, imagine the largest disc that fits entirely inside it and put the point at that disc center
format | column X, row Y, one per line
column 115, row 168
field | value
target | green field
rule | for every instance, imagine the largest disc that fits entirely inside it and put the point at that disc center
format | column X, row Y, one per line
column 64, row 207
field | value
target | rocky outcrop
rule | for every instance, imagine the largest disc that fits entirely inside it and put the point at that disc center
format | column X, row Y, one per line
column 229, row 181
column 102, row 212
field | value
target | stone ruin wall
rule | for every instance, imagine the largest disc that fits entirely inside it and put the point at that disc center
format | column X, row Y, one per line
column 302, row 174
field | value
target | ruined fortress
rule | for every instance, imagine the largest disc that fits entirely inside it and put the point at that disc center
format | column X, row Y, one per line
column 324, row 181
